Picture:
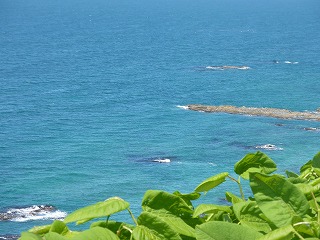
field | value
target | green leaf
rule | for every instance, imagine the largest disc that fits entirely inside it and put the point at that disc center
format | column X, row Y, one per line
column 40, row 229
column 316, row 160
column 156, row 199
column 151, row 227
column 142, row 232
column 308, row 189
column 115, row 227
column 54, row 236
column 278, row 199
column 233, row 198
column 254, row 162
column 188, row 197
column 249, row 215
column 96, row 233
column 291, row 174
column 306, row 168
column 211, row 182
column 225, row 231
column 59, row 227
column 175, row 222
column 29, row 236
column 100, row 209
column 210, row 208
column 283, row 233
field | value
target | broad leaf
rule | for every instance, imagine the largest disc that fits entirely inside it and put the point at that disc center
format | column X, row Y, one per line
column 210, row 208
column 59, row 227
column 54, row 236
column 119, row 228
column 306, row 168
column 278, row 199
column 249, row 215
column 188, row 197
column 156, row 199
column 142, row 232
column 152, row 227
column 308, row 190
column 40, row 229
column 211, row 182
column 29, row 236
column 316, row 160
column 291, row 174
column 233, row 198
column 255, row 162
column 96, row 233
column 100, row 209
column 175, row 222
column 225, row 231
column 283, row 233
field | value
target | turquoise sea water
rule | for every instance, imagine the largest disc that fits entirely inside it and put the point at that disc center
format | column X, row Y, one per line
column 89, row 95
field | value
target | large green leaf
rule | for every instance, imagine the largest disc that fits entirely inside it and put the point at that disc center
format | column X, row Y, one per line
column 142, row 232
column 100, row 209
column 29, row 236
column 283, row 233
column 175, row 222
column 59, row 227
column 96, row 233
column 306, row 168
column 211, row 182
column 152, row 227
column 291, row 174
column 188, row 197
column 316, row 160
column 225, row 231
column 54, row 236
column 254, row 162
column 233, row 198
column 156, row 199
column 278, row 199
column 249, row 214
column 120, row 228
column 210, row 208
column 40, row 229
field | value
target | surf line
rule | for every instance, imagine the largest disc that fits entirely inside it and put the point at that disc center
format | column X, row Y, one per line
column 265, row 112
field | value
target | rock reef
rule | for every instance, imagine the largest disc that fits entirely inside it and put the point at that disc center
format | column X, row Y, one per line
column 226, row 67
column 265, row 112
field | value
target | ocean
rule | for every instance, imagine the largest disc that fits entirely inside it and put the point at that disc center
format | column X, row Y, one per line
column 92, row 93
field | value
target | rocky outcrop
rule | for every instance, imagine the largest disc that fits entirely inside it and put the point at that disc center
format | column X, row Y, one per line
column 266, row 112
column 226, row 67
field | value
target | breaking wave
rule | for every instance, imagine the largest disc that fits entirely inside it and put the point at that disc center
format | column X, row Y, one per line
column 30, row 213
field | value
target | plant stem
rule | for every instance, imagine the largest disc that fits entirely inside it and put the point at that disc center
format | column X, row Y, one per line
column 240, row 186
column 107, row 219
column 317, row 206
column 299, row 236
column 133, row 218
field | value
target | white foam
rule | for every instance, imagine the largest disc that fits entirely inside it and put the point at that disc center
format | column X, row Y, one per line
column 34, row 212
column 288, row 62
column 212, row 164
column 268, row 147
column 183, row 107
column 165, row 160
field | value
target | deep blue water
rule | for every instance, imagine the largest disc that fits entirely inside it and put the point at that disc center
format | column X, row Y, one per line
column 89, row 93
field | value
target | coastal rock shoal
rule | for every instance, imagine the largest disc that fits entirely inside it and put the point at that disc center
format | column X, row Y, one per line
column 265, row 112
column 226, row 67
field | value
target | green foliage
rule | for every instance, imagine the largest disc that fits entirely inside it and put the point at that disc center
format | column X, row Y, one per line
column 280, row 208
